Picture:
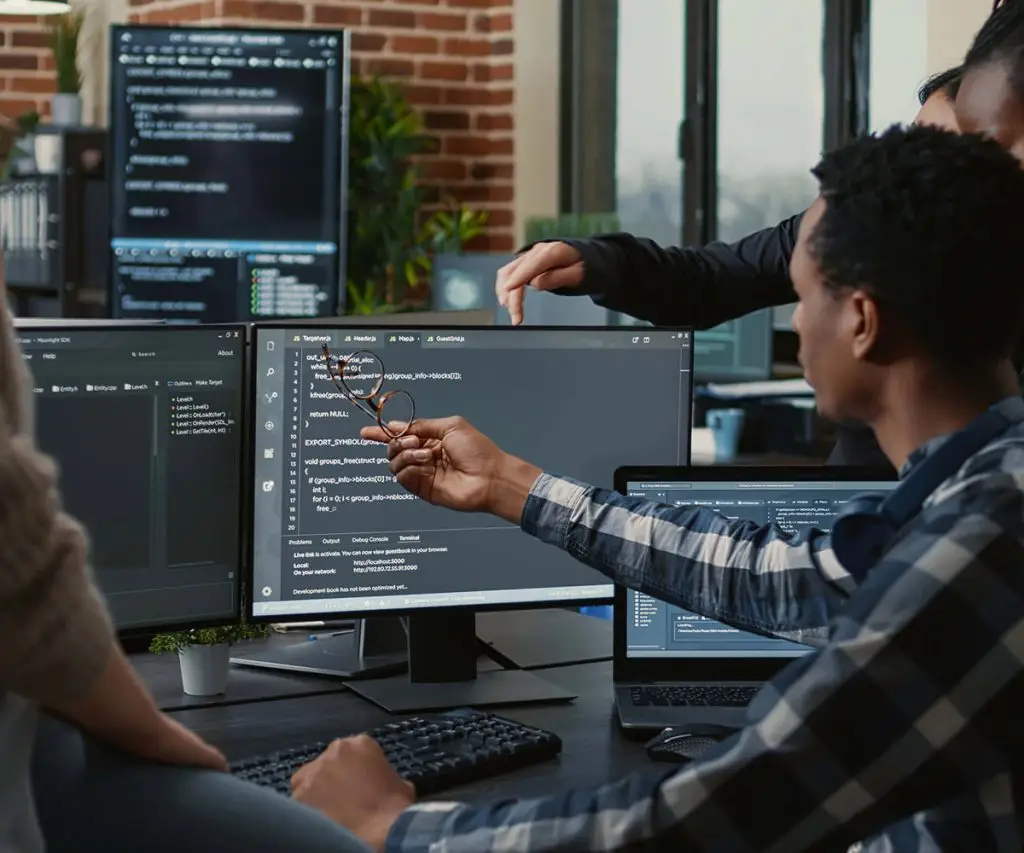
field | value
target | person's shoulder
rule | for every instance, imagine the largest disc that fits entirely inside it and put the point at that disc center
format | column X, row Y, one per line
column 990, row 483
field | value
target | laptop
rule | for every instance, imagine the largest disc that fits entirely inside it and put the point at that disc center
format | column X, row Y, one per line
column 673, row 667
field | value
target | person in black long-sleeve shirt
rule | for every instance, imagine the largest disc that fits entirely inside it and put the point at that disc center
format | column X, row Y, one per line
column 708, row 285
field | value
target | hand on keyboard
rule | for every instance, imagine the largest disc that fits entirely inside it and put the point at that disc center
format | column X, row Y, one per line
column 354, row 784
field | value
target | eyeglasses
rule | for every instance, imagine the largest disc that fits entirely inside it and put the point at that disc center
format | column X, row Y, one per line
column 360, row 377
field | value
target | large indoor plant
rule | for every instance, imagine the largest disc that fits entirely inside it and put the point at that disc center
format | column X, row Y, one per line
column 389, row 245
column 66, row 106
column 205, row 654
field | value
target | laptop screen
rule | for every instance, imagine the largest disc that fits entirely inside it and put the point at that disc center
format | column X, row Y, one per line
column 658, row 630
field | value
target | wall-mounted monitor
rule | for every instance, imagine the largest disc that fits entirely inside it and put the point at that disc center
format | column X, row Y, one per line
column 227, row 173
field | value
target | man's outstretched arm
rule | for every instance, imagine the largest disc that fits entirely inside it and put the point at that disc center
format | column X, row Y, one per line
column 700, row 286
column 755, row 577
column 897, row 713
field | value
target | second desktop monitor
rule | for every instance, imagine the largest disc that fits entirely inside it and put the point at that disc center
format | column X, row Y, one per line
column 336, row 534
column 228, row 173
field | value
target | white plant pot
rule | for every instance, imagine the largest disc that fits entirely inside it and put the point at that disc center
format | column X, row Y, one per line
column 204, row 669
column 66, row 110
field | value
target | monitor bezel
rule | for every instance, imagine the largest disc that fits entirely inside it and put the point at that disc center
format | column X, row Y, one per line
column 633, row 669
column 118, row 326
column 345, row 84
column 319, row 327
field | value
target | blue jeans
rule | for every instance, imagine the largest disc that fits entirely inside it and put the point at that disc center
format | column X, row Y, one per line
column 90, row 798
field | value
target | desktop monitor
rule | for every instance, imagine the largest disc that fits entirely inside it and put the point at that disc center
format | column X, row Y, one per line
column 651, row 634
column 146, row 425
column 335, row 535
column 227, row 172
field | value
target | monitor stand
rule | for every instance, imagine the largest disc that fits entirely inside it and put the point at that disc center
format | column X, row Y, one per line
column 374, row 648
column 442, row 655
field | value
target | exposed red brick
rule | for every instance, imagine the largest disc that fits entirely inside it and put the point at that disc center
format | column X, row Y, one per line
column 502, row 47
column 389, row 67
column 470, row 4
column 499, row 217
column 415, row 44
column 494, row 121
column 344, row 16
column 14, row 107
column 455, row 71
column 486, row 73
column 264, row 10
column 447, row 23
column 423, row 95
column 368, row 42
column 41, row 85
column 478, row 97
column 476, row 146
column 29, row 38
column 180, row 14
column 467, row 47
column 23, row 61
column 392, row 18
column 493, row 23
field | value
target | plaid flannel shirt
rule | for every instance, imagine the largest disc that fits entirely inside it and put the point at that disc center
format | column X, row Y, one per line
column 897, row 733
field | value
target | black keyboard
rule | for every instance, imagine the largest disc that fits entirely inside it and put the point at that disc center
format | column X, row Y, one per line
column 714, row 695
column 434, row 752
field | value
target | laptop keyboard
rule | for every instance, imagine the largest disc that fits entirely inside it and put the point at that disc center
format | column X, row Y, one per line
column 715, row 695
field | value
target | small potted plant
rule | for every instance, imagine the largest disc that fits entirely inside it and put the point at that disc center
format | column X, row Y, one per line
column 66, row 106
column 205, row 654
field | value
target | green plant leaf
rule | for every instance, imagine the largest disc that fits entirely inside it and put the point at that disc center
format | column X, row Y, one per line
column 177, row 640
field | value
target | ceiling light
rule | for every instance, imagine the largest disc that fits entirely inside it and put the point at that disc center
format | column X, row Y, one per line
column 34, row 7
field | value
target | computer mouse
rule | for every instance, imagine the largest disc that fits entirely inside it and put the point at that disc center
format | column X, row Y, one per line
column 680, row 744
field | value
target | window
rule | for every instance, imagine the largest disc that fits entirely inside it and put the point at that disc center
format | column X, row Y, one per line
column 771, row 105
column 899, row 60
column 649, row 98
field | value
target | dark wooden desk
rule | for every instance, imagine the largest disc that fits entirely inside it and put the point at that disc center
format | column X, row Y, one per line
column 593, row 749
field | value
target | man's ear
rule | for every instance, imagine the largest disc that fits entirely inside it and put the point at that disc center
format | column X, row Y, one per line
column 861, row 323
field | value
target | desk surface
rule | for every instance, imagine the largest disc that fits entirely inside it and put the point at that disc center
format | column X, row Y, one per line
column 593, row 749
column 526, row 639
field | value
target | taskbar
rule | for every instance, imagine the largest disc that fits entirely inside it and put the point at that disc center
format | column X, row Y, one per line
column 391, row 601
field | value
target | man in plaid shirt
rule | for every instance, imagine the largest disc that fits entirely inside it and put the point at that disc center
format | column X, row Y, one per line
column 899, row 731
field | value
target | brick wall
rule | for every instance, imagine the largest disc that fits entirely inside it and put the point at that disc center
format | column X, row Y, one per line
column 26, row 67
column 453, row 56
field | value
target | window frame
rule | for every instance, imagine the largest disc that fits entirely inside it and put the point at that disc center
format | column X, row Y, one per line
column 586, row 188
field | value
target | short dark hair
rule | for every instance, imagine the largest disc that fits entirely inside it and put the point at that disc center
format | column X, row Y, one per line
column 931, row 224
column 947, row 82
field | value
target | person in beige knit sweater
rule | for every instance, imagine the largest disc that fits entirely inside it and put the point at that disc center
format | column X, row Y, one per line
column 104, row 776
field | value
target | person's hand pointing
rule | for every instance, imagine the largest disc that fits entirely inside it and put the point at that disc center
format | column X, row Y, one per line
column 546, row 266
column 448, row 462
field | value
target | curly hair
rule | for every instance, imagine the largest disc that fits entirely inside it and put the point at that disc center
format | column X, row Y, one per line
column 930, row 223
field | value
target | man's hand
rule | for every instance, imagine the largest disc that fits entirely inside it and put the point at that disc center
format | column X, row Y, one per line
column 354, row 785
column 449, row 463
column 546, row 266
